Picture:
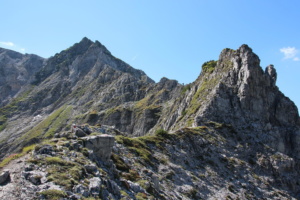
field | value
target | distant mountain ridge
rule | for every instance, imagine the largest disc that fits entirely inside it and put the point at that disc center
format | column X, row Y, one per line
column 16, row 71
column 86, row 84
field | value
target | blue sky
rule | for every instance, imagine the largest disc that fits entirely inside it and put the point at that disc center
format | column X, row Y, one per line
column 170, row 38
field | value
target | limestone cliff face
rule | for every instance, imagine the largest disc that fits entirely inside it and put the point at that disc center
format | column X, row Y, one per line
column 247, row 97
column 245, row 93
column 235, row 90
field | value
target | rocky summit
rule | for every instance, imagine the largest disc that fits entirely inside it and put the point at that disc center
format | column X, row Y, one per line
column 83, row 124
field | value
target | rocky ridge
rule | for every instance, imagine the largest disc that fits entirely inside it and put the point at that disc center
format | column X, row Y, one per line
column 232, row 130
column 16, row 72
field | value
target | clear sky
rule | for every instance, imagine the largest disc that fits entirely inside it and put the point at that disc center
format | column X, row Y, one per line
column 164, row 38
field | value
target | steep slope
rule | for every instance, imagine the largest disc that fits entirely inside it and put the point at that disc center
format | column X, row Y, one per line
column 16, row 72
column 235, row 87
column 232, row 133
column 235, row 90
column 85, row 76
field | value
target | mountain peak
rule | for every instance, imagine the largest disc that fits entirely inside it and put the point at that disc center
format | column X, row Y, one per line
column 232, row 122
column 85, row 39
column 245, row 47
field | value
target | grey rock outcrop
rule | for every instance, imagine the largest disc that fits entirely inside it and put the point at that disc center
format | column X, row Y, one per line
column 44, row 149
column 34, row 177
column 92, row 169
column 135, row 187
column 271, row 71
column 248, row 97
column 235, row 90
column 101, row 145
column 80, row 133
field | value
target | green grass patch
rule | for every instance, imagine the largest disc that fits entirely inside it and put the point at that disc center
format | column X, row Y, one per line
column 54, row 194
column 209, row 66
column 12, row 107
column 132, row 175
column 200, row 130
column 202, row 94
column 186, row 88
column 59, row 122
column 162, row 133
column 57, row 161
column 141, row 196
column 61, row 172
column 46, row 129
column 119, row 162
column 113, row 110
column 137, row 146
column 150, row 102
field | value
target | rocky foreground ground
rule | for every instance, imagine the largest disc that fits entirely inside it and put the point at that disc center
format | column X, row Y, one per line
column 207, row 162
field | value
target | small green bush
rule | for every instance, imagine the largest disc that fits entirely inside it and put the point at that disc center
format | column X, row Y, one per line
column 56, row 161
column 141, row 196
column 185, row 88
column 132, row 175
column 119, row 162
column 162, row 133
column 209, row 66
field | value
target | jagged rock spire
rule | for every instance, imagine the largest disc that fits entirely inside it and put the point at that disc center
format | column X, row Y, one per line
column 271, row 72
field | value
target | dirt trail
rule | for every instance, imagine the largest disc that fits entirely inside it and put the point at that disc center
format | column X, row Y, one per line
column 16, row 188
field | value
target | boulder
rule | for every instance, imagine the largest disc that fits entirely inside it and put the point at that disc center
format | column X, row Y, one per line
column 80, row 189
column 45, row 149
column 112, row 187
column 80, row 133
column 34, row 177
column 125, row 183
column 87, row 130
column 94, row 186
column 101, row 145
column 136, row 187
column 4, row 177
column 92, row 169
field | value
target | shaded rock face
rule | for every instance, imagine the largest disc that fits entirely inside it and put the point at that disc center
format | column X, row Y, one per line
column 16, row 72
